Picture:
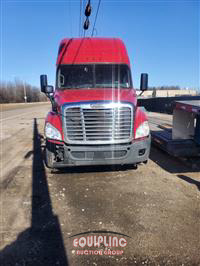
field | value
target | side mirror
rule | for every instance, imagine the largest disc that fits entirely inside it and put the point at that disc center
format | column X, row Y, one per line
column 43, row 83
column 48, row 89
column 144, row 82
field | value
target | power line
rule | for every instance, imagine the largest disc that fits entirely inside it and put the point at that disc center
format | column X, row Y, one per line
column 96, row 18
column 87, row 14
column 88, row 10
column 80, row 19
column 82, row 22
column 70, row 17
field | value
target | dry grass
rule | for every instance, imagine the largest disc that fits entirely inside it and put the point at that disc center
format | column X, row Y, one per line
column 12, row 106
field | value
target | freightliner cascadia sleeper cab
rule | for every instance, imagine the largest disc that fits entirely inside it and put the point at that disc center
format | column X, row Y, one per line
column 94, row 119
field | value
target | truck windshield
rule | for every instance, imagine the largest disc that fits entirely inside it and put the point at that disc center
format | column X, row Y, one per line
column 93, row 76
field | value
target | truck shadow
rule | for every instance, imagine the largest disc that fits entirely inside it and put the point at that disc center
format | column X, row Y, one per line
column 93, row 169
column 172, row 164
column 42, row 243
column 190, row 180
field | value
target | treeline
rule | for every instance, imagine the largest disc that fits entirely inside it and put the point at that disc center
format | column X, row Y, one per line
column 14, row 92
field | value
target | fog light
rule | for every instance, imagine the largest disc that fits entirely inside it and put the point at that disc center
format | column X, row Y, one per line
column 141, row 152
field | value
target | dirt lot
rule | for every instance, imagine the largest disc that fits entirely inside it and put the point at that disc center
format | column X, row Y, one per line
column 157, row 205
column 18, row 106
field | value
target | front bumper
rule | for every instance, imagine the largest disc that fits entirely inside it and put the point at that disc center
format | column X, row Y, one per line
column 124, row 154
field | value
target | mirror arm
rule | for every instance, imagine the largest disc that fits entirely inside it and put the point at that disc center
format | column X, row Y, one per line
column 53, row 103
column 141, row 93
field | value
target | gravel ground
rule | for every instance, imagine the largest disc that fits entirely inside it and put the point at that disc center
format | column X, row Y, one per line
column 156, row 206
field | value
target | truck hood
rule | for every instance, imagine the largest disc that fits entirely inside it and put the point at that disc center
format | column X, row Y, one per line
column 80, row 95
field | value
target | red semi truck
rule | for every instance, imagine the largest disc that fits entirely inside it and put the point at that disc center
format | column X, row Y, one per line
column 94, row 119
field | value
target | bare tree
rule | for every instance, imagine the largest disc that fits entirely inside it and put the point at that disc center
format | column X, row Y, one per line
column 13, row 92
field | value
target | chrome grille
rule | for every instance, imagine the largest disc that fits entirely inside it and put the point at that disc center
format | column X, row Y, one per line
column 98, row 124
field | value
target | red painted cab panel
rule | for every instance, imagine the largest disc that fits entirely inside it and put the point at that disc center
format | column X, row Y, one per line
column 91, row 75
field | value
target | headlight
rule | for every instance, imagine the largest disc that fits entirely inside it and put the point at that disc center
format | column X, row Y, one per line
column 51, row 132
column 142, row 131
